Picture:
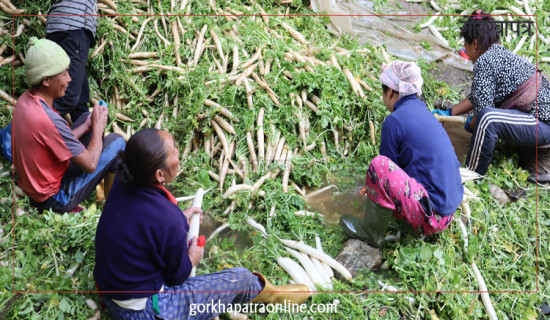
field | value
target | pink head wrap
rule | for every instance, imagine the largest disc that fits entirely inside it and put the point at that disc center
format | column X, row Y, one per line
column 402, row 76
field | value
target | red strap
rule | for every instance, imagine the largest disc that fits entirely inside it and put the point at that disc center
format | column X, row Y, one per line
column 101, row 303
column 167, row 193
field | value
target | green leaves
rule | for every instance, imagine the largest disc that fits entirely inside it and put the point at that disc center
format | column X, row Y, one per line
column 425, row 253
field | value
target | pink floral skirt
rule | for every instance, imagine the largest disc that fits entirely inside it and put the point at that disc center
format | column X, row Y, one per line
column 390, row 187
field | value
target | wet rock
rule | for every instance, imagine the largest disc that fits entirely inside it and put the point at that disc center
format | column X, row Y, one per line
column 498, row 194
column 515, row 194
column 356, row 255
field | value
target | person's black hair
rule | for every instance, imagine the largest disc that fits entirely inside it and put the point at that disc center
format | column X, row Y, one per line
column 385, row 89
column 479, row 26
column 144, row 154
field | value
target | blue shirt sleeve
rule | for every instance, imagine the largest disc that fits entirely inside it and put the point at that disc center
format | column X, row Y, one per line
column 176, row 258
column 391, row 137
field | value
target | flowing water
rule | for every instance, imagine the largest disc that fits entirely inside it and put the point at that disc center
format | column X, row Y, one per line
column 240, row 239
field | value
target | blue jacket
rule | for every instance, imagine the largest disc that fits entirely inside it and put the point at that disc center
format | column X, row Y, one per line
column 418, row 144
column 141, row 242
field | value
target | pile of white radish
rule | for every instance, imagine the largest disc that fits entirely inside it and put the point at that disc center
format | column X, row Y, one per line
column 315, row 267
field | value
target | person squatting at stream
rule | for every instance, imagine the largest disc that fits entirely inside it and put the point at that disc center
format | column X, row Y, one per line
column 143, row 259
column 416, row 176
column 72, row 24
column 508, row 95
column 58, row 166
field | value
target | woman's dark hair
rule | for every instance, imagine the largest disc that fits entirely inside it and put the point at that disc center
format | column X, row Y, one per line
column 385, row 89
column 481, row 27
column 144, row 154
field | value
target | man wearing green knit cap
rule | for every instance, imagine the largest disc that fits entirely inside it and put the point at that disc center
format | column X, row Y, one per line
column 58, row 166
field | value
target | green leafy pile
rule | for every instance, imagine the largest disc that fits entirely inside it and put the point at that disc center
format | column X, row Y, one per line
column 37, row 249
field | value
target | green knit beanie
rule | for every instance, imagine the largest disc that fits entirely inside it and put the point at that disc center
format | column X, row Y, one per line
column 45, row 58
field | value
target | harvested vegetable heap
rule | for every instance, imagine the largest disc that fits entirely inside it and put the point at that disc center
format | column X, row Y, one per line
column 264, row 106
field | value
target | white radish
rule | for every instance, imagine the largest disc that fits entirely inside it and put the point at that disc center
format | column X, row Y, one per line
column 224, row 124
column 319, row 246
column 464, row 233
column 236, row 188
column 435, row 6
column 468, row 175
column 305, row 213
column 217, row 230
column 484, row 294
column 286, row 174
column 298, row 189
column 294, row 33
column 335, row 62
column 317, row 192
column 430, row 21
column 221, row 135
column 252, row 151
column 311, row 271
column 253, row 59
column 469, row 194
column 327, row 283
column 438, row 35
column 91, row 304
column 260, row 125
column 295, row 271
column 254, row 224
column 224, row 167
column 261, row 181
column 194, row 222
column 245, row 74
column 214, row 175
column 185, row 198
column 466, row 210
column 234, row 315
column 249, row 93
column 279, row 155
column 319, row 255
column 199, row 45
column 351, row 81
column 451, row 119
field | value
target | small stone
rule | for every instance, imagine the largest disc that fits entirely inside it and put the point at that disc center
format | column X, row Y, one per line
column 356, row 255
column 19, row 212
column 498, row 194
column 545, row 309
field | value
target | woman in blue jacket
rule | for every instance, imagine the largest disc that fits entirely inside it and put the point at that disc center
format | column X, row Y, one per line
column 143, row 260
column 416, row 177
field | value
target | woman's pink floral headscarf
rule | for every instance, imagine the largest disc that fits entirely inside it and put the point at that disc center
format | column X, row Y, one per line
column 402, row 76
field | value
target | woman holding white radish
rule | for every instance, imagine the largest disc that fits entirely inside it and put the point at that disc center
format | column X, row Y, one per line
column 416, row 177
column 510, row 98
column 143, row 259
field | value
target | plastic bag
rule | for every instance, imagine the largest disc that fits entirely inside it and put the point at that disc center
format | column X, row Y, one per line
column 5, row 142
column 377, row 30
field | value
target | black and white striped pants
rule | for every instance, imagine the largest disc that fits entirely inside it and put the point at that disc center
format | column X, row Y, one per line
column 506, row 124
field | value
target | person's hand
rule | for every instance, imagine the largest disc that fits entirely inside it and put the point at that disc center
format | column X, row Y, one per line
column 99, row 117
column 448, row 112
column 88, row 122
column 363, row 191
column 195, row 252
column 188, row 213
column 467, row 124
